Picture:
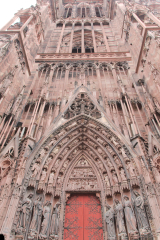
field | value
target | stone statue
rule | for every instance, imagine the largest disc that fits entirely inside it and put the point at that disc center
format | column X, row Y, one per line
column 55, row 221
column 120, row 217
column 25, row 211
column 37, row 212
column 130, row 217
column 114, row 178
column 46, row 220
column 109, row 217
column 130, row 169
column 43, row 175
column 35, row 170
column 51, row 178
column 123, row 176
column 106, row 179
column 141, row 214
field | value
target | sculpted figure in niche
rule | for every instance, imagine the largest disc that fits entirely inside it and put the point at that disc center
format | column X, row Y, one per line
column 55, row 221
column 141, row 214
column 43, row 175
column 123, row 176
column 110, row 223
column 57, row 163
column 109, row 164
column 59, row 182
column 106, row 179
column 37, row 212
column 35, row 169
column 52, row 142
column 120, row 217
column 25, row 211
column 123, row 153
column 56, row 150
column 51, row 177
column 100, row 165
column 65, row 164
column 114, row 177
column 46, row 220
column 130, row 169
column 116, row 160
column 42, row 153
column 49, row 160
column 130, row 217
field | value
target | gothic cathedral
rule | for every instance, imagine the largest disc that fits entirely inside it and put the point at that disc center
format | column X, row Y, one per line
column 80, row 121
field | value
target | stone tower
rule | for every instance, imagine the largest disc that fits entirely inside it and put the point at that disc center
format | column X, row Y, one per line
column 80, row 121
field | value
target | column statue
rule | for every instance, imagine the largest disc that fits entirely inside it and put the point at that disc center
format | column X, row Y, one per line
column 109, row 217
column 25, row 212
column 130, row 217
column 46, row 220
column 37, row 212
column 120, row 217
column 141, row 214
column 55, row 221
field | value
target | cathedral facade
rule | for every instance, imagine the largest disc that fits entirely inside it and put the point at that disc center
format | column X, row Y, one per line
column 80, row 121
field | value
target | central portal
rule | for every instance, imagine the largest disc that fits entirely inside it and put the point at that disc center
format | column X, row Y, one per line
column 83, row 218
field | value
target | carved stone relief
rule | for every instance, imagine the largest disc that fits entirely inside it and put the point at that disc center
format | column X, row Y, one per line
column 82, row 177
column 82, row 104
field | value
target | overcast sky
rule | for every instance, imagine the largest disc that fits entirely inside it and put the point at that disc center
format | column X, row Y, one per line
column 9, row 7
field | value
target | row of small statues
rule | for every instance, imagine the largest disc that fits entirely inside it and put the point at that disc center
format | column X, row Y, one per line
column 126, row 213
column 36, row 224
column 44, row 221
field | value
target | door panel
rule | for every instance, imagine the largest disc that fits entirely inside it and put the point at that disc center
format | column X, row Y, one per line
column 83, row 220
column 92, row 218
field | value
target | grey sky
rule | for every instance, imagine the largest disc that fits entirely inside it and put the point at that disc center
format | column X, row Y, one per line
column 9, row 7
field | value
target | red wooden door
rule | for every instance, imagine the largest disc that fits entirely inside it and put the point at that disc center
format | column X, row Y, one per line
column 83, row 218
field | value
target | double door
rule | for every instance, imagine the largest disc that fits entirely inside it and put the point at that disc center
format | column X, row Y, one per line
column 83, row 218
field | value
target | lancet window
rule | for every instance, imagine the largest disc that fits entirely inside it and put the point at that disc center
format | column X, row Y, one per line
column 68, row 12
column 98, row 11
column 88, row 41
column 89, row 71
column 83, row 12
column 59, row 73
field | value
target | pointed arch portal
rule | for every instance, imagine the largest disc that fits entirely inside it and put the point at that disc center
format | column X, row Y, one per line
column 79, row 177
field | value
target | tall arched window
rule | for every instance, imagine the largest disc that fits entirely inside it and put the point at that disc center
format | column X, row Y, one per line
column 68, row 12
column 98, row 11
column 59, row 73
column 83, row 12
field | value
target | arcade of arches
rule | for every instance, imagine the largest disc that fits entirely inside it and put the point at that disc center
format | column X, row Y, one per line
column 80, row 121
